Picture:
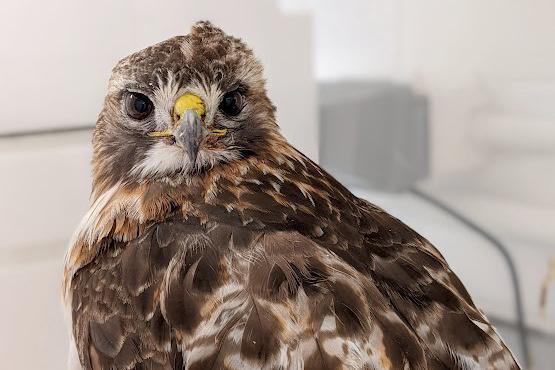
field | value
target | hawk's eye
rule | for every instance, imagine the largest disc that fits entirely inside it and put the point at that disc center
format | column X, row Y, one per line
column 232, row 103
column 138, row 106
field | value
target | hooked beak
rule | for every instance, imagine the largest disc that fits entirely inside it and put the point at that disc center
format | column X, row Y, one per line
column 190, row 133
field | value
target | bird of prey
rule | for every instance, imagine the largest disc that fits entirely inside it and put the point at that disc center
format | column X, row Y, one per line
column 212, row 243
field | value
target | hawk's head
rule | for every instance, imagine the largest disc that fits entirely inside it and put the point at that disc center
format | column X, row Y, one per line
column 181, row 107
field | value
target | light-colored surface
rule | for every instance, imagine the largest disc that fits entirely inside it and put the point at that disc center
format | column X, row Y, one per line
column 464, row 55
column 541, row 346
column 34, row 331
column 45, row 187
column 56, row 56
column 44, row 193
column 353, row 38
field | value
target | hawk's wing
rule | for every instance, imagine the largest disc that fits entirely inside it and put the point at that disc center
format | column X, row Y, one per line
column 226, row 296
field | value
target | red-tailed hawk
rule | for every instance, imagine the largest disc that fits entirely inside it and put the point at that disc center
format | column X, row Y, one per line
column 211, row 243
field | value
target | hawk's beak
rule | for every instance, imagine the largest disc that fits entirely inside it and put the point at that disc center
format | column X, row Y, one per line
column 189, row 133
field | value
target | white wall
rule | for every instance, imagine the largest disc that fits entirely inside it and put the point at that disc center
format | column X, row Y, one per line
column 452, row 41
column 454, row 51
column 463, row 52
column 56, row 56
column 353, row 38
column 44, row 191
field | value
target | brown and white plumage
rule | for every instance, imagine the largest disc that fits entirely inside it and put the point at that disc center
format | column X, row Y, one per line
column 248, row 255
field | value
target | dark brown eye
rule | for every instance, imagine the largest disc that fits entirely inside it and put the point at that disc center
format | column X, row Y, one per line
column 232, row 103
column 138, row 106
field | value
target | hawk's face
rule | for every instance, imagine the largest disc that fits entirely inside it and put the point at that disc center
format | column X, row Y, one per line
column 181, row 107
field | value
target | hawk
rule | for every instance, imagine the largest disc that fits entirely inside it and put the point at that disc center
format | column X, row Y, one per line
column 212, row 243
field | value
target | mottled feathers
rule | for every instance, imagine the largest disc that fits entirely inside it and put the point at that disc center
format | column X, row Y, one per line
column 263, row 261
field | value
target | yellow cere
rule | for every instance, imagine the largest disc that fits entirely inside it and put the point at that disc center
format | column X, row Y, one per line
column 184, row 102
column 187, row 101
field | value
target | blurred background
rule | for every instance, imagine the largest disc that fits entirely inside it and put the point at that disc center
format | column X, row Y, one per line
column 440, row 111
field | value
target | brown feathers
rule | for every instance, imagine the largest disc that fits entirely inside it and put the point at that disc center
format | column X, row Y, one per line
column 263, row 261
